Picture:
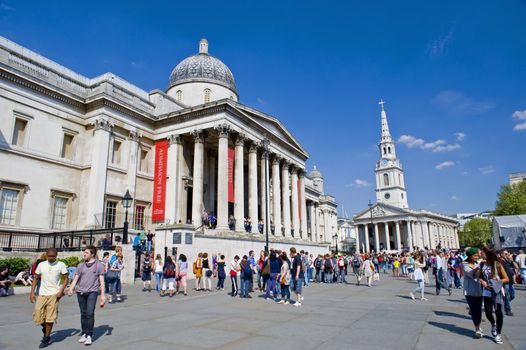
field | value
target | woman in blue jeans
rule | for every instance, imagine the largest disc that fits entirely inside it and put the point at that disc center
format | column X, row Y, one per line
column 158, row 272
column 88, row 281
column 274, row 275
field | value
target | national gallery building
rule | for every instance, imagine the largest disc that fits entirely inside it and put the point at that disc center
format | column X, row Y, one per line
column 71, row 146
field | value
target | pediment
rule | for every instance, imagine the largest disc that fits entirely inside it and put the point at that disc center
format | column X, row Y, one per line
column 272, row 125
column 380, row 210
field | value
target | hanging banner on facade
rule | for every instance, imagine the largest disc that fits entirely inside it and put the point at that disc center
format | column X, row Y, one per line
column 231, row 175
column 159, row 183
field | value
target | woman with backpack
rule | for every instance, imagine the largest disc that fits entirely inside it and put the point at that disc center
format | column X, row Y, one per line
column 493, row 277
column 146, row 276
column 181, row 271
column 273, row 264
column 327, row 268
column 246, row 276
column 169, row 272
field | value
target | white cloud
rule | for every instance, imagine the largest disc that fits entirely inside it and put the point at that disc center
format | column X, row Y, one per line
column 446, row 164
column 411, row 141
column 439, row 47
column 455, row 102
column 359, row 183
column 447, row 148
column 454, row 198
column 465, row 173
column 460, row 136
column 486, row 170
column 520, row 118
column 436, row 146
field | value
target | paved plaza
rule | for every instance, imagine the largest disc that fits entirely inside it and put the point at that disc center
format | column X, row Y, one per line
column 338, row 316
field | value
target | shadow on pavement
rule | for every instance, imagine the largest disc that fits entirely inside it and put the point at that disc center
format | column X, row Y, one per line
column 102, row 330
column 453, row 328
column 58, row 336
column 462, row 301
column 451, row 314
column 404, row 296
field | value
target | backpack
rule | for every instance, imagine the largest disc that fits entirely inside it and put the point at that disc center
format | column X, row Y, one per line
column 266, row 270
column 318, row 264
column 169, row 273
column 247, row 271
column 340, row 263
column 147, row 265
column 328, row 265
column 357, row 263
column 194, row 267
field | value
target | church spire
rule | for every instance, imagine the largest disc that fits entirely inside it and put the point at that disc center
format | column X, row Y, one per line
column 386, row 135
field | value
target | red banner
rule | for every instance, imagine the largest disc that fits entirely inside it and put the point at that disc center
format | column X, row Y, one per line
column 231, row 175
column 159, row 181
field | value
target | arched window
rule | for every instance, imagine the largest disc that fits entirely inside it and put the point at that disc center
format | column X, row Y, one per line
column 389, row 150
column 386, row 180
column 207, row 94
column 384, row 151
column 400, row 179
column 179, row 95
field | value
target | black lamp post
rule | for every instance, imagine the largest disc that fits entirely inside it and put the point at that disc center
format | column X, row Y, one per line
column 336, row 240
column 265, row 143
column 126, row 203
column 372, row 224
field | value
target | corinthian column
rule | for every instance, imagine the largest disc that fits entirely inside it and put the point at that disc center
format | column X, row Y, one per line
column 303, row 206
column 222, row 177
column 276, row 196
column 387, row 241
column 285, row 197
column 262, row 195
column 239, row 184
column 253, row 186
column 172, row 205
column 197, row 190
column 295, row 204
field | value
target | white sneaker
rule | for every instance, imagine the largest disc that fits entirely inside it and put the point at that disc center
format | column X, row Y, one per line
column 479, row 334
column 297, row 304
column 83, row 338
column 119, row 298
column 286, row 303
column 498, row 339
column 302, row 298
column 424, row 299
column 88, row 340
column 110, row 299
column 412, row 296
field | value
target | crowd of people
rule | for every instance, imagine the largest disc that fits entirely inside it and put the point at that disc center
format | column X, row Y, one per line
column 487, row 278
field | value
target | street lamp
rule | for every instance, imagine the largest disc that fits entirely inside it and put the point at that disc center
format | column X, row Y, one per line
column 336, row 240
column 265, row 144
column 126, row 203
column 371, row 212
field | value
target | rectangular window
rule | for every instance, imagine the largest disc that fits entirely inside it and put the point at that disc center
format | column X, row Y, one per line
column 60, row 213
column 138, row 221
column 67, row 147
column 116, row 153
column 8, row 206
column 110, row 214
column 19, row 132
column 143, row 166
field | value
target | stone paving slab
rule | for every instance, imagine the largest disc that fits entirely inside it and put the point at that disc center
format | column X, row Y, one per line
column 332, row 316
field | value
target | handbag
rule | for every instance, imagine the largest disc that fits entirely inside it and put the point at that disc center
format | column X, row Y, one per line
column 376, row 276
column 112, row 275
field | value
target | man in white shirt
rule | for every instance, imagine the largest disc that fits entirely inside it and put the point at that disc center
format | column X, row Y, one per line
column 439, row 272
column 53, row 276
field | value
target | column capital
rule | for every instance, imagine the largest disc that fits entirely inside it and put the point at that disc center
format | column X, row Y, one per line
column 175, row 139
column 240, row 140
column 223, row 129
column 253, row 147
column 285, row 165
column 199, row 135
column 276, row 160
column 103, row 124
column 134, row 136
column 302, row 173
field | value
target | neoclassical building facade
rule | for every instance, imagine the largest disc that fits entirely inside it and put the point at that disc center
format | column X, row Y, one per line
column 390, row 224
column 71, row 146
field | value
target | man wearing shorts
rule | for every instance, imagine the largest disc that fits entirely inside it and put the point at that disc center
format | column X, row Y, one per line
column 297, row 275
column 53, row 277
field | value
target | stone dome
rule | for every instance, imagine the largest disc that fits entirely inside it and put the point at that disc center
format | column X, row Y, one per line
column 203, row 68
column 315, row 173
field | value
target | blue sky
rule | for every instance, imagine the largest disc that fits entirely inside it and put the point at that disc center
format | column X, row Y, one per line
column 452, row 73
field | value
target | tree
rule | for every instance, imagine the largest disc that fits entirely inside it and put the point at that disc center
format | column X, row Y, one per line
column 476, row 233
column 511, row 200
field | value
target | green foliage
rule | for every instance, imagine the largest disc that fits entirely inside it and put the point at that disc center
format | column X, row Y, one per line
column 476, row 233
column 71, row 261
column 511, row 200
column 15, row 265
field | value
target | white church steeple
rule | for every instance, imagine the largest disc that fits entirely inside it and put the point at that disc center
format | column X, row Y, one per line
column 390, row 184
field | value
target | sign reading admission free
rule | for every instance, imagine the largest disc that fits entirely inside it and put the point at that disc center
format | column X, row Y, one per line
column 159, row 182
